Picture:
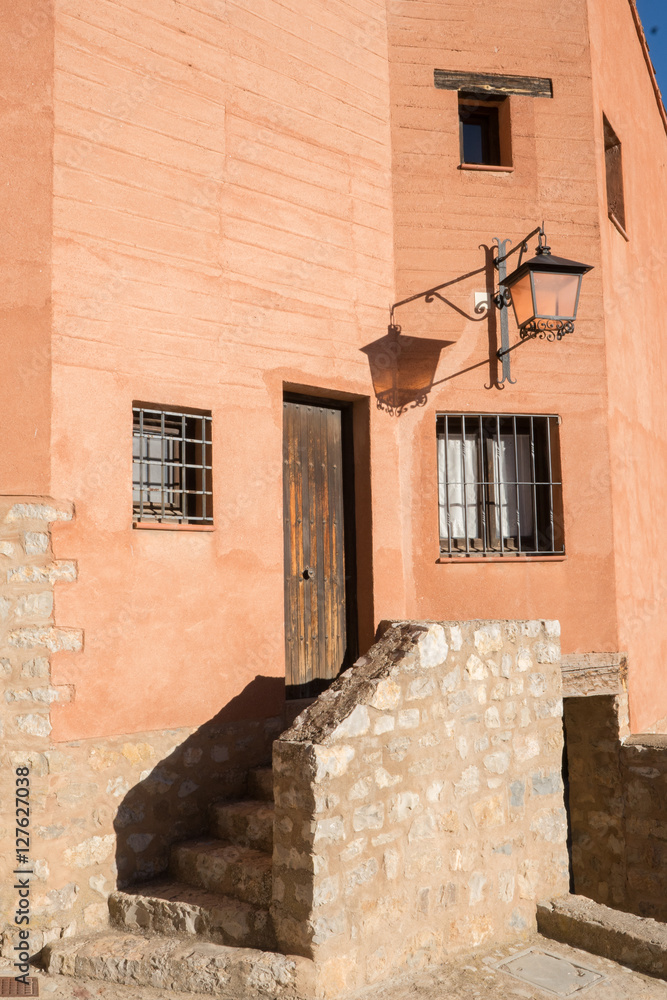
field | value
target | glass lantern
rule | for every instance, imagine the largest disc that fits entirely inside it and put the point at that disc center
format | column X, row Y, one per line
column 545, row 292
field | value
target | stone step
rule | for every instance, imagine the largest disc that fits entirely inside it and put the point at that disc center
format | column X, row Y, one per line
column 174, row 908
column 260, row 784
column 229, row 869
column 190, row 966
column 249, row 823
column 638, row 942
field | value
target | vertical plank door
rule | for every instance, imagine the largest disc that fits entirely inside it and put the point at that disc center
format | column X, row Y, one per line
column 315, row 626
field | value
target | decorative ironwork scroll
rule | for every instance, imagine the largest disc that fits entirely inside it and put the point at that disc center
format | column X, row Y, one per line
column 546, row 329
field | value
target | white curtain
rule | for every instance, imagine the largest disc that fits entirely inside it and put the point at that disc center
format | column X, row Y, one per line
column 509, row 472
column 511, row 468
column 452, row 476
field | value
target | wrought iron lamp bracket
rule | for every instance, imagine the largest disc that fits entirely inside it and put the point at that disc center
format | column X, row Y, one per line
column 546, row 329
column 502, row 299
column 502, row 302
column 543, row 329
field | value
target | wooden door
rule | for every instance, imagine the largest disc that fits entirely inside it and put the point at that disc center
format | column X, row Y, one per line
column 316, row 594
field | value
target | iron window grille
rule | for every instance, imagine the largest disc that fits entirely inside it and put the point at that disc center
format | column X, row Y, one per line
column 171, row 466
column 499, row 485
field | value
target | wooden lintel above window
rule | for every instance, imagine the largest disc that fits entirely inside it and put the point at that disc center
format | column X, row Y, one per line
column 490, row 83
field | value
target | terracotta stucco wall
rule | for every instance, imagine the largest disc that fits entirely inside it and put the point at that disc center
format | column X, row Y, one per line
column 636, row 356
column 239, row 193
column 442, row 215
column 222, row 226
column 26, row 123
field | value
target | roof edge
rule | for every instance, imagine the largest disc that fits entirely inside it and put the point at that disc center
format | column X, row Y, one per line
column 647, row 58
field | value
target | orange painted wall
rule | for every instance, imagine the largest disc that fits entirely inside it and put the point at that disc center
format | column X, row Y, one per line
column 634, row 288
column 26, row 126
column 240, row 191
column 442, row 215
column 222, row 225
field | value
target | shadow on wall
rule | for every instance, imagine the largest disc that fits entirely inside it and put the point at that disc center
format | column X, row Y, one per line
column 595, row 799
column 171, row 801
column 403, row 367
column 618, row 809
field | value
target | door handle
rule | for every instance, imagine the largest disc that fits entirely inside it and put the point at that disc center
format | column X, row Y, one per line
column 308, row 573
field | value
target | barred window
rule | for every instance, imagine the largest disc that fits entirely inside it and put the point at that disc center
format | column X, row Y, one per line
column 171, row 466
column 499, row 485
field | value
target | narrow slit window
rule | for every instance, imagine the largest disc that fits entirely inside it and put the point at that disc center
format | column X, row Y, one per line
column 484, row 130
column 479, row 134
column 499, row 485
column 614, row 173
column 171, row 466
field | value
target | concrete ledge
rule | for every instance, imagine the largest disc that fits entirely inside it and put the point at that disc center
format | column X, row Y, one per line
column 638, row 942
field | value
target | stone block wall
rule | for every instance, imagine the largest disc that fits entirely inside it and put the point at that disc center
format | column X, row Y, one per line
column 28, row 634
column 419, row 801
column 103, row 812
column 644, row 774
column 596, row 801
column 617, row 807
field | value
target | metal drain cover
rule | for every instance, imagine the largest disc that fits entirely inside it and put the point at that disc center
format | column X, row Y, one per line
column 557, row 975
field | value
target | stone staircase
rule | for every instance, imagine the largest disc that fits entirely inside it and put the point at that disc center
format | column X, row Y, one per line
column 219, row 887
column 205, row 927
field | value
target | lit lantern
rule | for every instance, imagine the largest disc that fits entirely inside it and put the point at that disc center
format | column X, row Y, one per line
column 545, row 294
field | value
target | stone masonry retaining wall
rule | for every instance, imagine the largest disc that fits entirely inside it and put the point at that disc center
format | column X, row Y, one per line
column 595, row 798
column 618, row 809
column 644, row 773
column 102, row 811
column 419, row 801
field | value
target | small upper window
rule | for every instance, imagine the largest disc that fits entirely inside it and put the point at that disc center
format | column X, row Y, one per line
column 484, row 130
column 614, row 171
column 499, row 485
column 171, row 466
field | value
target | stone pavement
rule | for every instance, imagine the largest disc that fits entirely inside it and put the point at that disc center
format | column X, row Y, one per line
column 469, row 978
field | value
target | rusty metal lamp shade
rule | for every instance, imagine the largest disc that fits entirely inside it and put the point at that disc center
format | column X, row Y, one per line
column 402, row 369
column 545, row 294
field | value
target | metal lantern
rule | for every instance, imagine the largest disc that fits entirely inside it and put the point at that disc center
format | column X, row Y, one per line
column 545, row 294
